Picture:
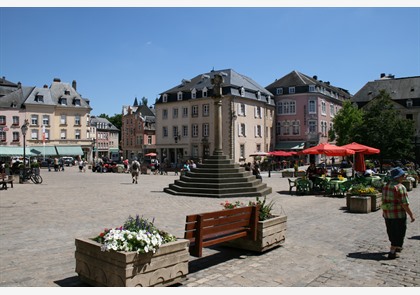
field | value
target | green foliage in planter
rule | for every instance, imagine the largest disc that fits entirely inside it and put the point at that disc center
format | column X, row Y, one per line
column 361, row 189
column 265, row 209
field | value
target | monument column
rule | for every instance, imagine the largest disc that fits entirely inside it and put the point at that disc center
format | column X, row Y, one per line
column 217, row 97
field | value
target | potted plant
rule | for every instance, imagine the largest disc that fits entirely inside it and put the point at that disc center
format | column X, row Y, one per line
column 135, row 254
column 271, row 229
column 363, row 198
column 35, row 167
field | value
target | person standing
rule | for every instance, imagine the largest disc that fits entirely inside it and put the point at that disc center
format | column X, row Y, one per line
column 395, row 207
column 135, row 168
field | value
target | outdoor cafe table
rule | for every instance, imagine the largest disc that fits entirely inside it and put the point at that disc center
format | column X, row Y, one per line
column 333, row 181
column 371, row 179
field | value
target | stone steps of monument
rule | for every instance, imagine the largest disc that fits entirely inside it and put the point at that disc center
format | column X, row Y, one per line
column 218, row 166
column 218, row 194
column 216, row 184
column 222, row 173
column 217, row 178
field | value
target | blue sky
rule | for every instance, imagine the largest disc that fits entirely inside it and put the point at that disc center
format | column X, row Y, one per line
column 118, row 53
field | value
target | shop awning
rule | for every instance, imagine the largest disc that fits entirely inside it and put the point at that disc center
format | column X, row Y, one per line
column 290, row 145
column 6, row 151
column 114, row 150
column 41, row 151
column 75, row 150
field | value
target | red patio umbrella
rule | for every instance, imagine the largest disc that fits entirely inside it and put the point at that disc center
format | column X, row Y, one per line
column 361, row 150
column 328, row 150
column 282, row 153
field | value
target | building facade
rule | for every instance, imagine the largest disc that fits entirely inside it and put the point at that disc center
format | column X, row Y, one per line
column 405, row 92
column 105, row 139
column 138, row 131
column 185, row 118
column 305, row 109
column 58, row 118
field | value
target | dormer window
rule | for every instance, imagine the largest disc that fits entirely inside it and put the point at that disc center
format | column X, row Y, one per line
column 77, row 102
column 63, row 101
column 193, row 93
column 292, row 90
column 179, row 95
column 242, row 91
column 39, row 98
column 205, row 92
column 311, row 88
column 66, row 92
column 165, row 98
column 258, row 95
column 279, row 91
column 409, row 103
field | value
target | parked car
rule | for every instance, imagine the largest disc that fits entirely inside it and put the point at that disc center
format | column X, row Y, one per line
column 69, row 161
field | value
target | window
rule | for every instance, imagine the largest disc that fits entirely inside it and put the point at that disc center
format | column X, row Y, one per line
column 278, row 128
column 242, row 151
column 311, row 88
column 241, row 109
column 258, row 112
column 77, row 134
column 292, row 90
column 242, row 130
column 175, row 113
column 165, row 131
column 332, row 109
column 15, row 136
column 63, row 120
column 63, row 134
column 165, row 98
column 296, row 127
column 242, row 91
column 47, row 134
column 205, row 92
column 185, row 131
column 165, row 114
column 259, row 147
column 286, row 128
column 258, row 132
column 34, row 119
column 175, row 131
column 15, row 120
column 312, row 126
column 193, row 93
column 279, row 91
column 2, row 135
column 77, row 102
column 46, row 120
column 195, row 130
column 206, row 110
column 179, row 95
column 323, row 107
column 194, row 111
column 63, row 101
column 66, row 92
column 184, row 112
column 39, row 98
column 195, row 151
column 34, row 134
column 312, row 107
column 206, row 129
column 409, row 103
column 149, row 139
column 77, row 120
column 2, row 120
column 286, row 108
column 258, row 95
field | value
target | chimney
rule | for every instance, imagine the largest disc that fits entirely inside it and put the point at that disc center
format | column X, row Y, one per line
column 74, row 85
column 57, row 80
column 45, row 86
column 315, row 77
column 382, row 75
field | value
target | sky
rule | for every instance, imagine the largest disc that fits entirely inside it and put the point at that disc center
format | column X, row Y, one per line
column 117, row 53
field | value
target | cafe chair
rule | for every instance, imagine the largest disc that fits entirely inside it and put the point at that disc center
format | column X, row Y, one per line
column 303, row 186
column 344, row 187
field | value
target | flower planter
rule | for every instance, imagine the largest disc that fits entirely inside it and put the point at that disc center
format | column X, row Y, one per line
column 287, row 174
column 375, row 201
column 300, row 174
column 408, row 184
column 168, row 266
column 270, row 233
column 359, row 204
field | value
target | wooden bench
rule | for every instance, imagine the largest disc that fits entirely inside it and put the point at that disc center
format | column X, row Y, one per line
column 5, row 179
column 208, row 229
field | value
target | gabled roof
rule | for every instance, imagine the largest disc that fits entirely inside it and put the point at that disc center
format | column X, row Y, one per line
column 397, row 88
column 44, row 92
column 297, row 79
column 16, row 97
column 232, row 83
column 65, row 90
column 97, row 120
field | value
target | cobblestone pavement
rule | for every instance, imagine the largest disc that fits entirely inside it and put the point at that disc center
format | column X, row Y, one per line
column 325, row 246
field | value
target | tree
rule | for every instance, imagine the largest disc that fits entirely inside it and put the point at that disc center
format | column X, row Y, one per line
column 346, row 123
column 384, row 128
column 144, row 101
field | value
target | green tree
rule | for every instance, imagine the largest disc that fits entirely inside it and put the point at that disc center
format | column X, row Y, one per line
column 144, row 101
column 384, row 128
column 346, row 123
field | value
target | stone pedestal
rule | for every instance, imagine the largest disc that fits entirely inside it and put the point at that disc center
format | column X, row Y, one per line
column 360, row 204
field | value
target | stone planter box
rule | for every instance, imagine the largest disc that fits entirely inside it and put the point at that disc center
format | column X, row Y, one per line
column 300, row 174
column 359, row 204
column 168, row 266
column 408, row 184
column 288, row 174
column 375, row 201
column 270, row 233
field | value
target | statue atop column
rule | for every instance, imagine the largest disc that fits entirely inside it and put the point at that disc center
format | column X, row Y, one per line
column 217, row 88
column 217, row 95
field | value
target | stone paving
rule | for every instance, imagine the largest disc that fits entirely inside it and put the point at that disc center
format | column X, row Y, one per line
column 325, row 246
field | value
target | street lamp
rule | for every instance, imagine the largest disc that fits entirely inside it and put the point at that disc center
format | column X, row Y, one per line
column 24, row 129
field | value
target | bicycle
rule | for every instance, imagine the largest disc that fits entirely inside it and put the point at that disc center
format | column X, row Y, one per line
column 30, row 175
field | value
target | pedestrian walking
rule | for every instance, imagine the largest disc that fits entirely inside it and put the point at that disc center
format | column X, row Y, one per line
column 135, row 168
column 395, row 206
